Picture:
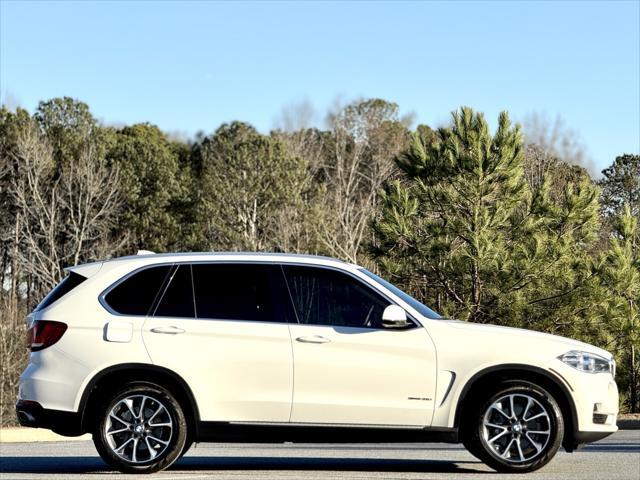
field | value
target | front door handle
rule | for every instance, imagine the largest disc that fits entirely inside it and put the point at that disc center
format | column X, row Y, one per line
column 313, row 339
column 171, row 330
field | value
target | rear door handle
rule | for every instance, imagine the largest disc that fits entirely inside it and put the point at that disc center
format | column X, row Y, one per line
column 171, row 330
column 313, row 339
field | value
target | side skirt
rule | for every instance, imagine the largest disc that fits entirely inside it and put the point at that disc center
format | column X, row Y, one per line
column 231, row 432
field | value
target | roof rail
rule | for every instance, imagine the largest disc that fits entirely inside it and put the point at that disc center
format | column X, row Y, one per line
column 145, row 252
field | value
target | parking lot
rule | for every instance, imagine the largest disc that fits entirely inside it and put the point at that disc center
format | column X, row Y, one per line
column 616, row 457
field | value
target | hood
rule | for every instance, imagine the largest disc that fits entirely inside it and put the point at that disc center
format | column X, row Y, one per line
column 524, row 336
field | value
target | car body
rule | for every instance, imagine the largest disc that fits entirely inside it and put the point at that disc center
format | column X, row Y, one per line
column 284, row 355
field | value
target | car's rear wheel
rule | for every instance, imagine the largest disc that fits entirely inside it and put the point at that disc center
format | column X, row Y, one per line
column 141, row 429
column 517, row 428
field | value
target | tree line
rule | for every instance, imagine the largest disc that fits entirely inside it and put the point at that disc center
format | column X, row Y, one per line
column 493, row 227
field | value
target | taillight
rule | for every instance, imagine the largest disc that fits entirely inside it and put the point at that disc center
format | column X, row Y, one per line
column 44, row 333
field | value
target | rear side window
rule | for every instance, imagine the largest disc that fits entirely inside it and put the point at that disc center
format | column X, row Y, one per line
column 137, row 293
column 67, row 284
column 239, row 292
column 178, row 300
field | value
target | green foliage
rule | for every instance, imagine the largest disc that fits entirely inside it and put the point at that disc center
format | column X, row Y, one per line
column 463, row 230
column 68, row 125
column 458, row 251
column 251, row 191
column 621, row 185
column 153, row 186
column 466, row 219
column 619, row 308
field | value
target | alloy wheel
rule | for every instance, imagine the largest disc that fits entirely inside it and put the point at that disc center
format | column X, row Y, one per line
column 516, row 428
column 138, row 428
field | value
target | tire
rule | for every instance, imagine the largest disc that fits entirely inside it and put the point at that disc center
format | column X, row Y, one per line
column 518, row 443
column 141, row 428
column 471, row 448
column 187, row 445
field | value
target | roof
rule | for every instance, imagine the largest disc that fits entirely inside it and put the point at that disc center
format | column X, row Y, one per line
column 146, row 253
column 149, row 258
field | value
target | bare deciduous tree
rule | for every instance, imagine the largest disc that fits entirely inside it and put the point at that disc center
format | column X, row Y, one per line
column 537, row 164
column 64, row 211
column 554, row 137
column 252, row 192
column 296, row 116
column 35, row 192
column 366, row 137
column 13, row 355
column 90, row 196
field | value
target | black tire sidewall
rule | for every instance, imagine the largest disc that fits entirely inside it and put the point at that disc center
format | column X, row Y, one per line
column 168, row 456
column 187, row 445
column 481, row 450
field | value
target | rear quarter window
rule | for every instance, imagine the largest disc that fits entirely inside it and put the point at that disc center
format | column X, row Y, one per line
column 136, row 294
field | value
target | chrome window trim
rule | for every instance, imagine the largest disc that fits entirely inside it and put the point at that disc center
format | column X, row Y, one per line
column 367, row 285
column 165, row 285
column 366, row 281
column 106, row 291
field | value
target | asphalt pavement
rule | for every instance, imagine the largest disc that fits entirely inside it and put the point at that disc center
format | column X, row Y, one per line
column 616, row 457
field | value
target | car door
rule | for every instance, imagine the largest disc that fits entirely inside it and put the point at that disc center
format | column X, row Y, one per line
column 222, row 328
column 348, row 368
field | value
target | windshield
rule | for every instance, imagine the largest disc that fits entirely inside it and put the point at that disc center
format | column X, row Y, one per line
column 420, row 307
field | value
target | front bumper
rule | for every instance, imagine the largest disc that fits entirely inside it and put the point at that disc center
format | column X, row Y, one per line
column 32, row 414
column 581, row 438
column 595, row 398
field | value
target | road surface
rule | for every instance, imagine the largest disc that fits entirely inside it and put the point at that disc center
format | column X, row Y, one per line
column 616, row 457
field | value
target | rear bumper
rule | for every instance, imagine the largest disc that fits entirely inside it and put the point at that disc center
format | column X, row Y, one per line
column 32, row 414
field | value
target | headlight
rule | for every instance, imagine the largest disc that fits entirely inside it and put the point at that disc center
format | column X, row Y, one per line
column 588, row 362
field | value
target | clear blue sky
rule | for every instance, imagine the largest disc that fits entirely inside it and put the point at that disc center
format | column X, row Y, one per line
column 188, row 66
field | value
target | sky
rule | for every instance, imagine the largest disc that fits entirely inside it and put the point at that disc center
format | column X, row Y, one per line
column 190, row 66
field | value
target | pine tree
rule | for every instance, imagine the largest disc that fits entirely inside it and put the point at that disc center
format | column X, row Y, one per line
column 464, row 231
column 620, row 307
column 450, row 222
column 621, row 185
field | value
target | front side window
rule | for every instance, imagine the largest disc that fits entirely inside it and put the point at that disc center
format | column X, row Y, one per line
column 136, row 294
column 328, row 297
column 420, row 307
column 237, row 291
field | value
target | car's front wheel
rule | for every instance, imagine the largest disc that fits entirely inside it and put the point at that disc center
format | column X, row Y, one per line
column 517, row 428
column 141, row 429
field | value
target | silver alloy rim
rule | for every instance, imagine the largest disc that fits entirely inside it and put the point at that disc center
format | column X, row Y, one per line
column 138, row 428
column 516, row 428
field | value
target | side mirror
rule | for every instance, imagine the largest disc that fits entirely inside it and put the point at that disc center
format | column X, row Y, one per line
column 395, row 317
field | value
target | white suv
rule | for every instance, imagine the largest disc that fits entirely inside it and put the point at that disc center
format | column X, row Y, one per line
column 151, row 353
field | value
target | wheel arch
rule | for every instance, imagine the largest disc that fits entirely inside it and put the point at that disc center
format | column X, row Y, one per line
column 115, row 375
column 553, row 383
